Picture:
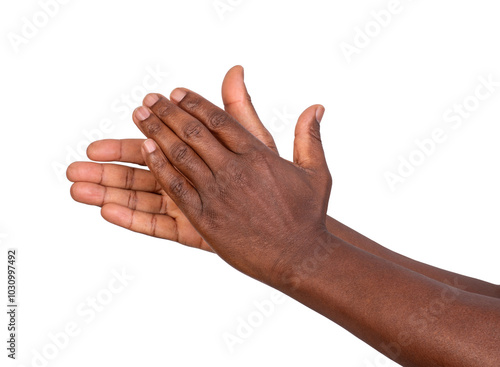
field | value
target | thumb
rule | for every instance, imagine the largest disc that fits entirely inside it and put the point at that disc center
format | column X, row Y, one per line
column 307, row 149
column 237, row 103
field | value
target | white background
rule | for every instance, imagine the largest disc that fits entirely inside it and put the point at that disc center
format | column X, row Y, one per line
column 65, row 80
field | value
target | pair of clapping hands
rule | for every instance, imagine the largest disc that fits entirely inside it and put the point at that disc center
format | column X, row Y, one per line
column 216, row 180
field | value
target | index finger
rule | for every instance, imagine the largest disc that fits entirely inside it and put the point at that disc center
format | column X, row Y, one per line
column 220, row 123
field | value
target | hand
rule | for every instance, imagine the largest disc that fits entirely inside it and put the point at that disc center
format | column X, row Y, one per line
column 131, row 197
column 255, row 209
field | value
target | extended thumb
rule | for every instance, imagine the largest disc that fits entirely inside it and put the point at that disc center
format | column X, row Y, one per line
column 308, row 150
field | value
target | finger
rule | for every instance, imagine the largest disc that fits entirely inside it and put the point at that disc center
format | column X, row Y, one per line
column 237, row 103
column 113, row 175
column 185, row 159
column 222, row 125
column 161, row 226
column 308, row 150
column 121, row 150
column 98, row 195
column 175, row 185
column 188, row 129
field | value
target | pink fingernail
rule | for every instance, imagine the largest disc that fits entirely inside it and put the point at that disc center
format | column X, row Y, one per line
column 151, row 99
column 149, row 146
column 320, row 111
column 142, row 113
column 177, row 95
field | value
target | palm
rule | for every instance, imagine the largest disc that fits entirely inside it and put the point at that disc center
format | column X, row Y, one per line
column 131, row 197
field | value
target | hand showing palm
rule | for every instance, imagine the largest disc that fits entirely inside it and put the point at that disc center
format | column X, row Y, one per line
column 131, row 197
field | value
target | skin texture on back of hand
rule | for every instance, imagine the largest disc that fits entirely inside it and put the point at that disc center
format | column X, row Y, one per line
column 217, row 159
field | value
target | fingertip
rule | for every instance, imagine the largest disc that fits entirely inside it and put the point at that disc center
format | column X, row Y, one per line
column 151, row 99
column 320, row 111
column 308, row 149
column 234, row 92
column 75, row 171
column 116, row 214
column 76, row 191
column 90, row 149
column 94, row 149
column 70, row 172
column 107, row 212
column 305, row 120
column 106, row 209
column 149, row 146
column 84, row 172
column 102, row 149
column 141, row 113
column 72, row 191
column 87, row 193
column 239, row 69
column 178, row 94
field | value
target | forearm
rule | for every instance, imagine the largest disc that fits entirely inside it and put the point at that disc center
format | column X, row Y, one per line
column 412, row 319
column 358, row 240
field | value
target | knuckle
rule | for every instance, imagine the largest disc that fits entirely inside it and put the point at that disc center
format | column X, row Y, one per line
column 191, row 102
column 129, row 178
column 178, row 187
column 158, row 164
column 217, row 120
column 163, row 110
column 153, row 128
column 192, row 130
column 132, row 200
column 153, row 224
column 238, row 175
column 179, row 152
column 235, row 175
column 259, row 156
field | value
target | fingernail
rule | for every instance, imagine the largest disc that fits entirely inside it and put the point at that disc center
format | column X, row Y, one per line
column 149, row 146
column 320, row 111
column 142, row 113
column 177, row 95
column 151, row 99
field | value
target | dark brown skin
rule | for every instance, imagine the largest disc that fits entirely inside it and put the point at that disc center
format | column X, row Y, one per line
column 222, row 164
column 267, row 218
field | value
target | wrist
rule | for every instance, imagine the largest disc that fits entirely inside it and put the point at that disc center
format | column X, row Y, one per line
column 298, row 267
